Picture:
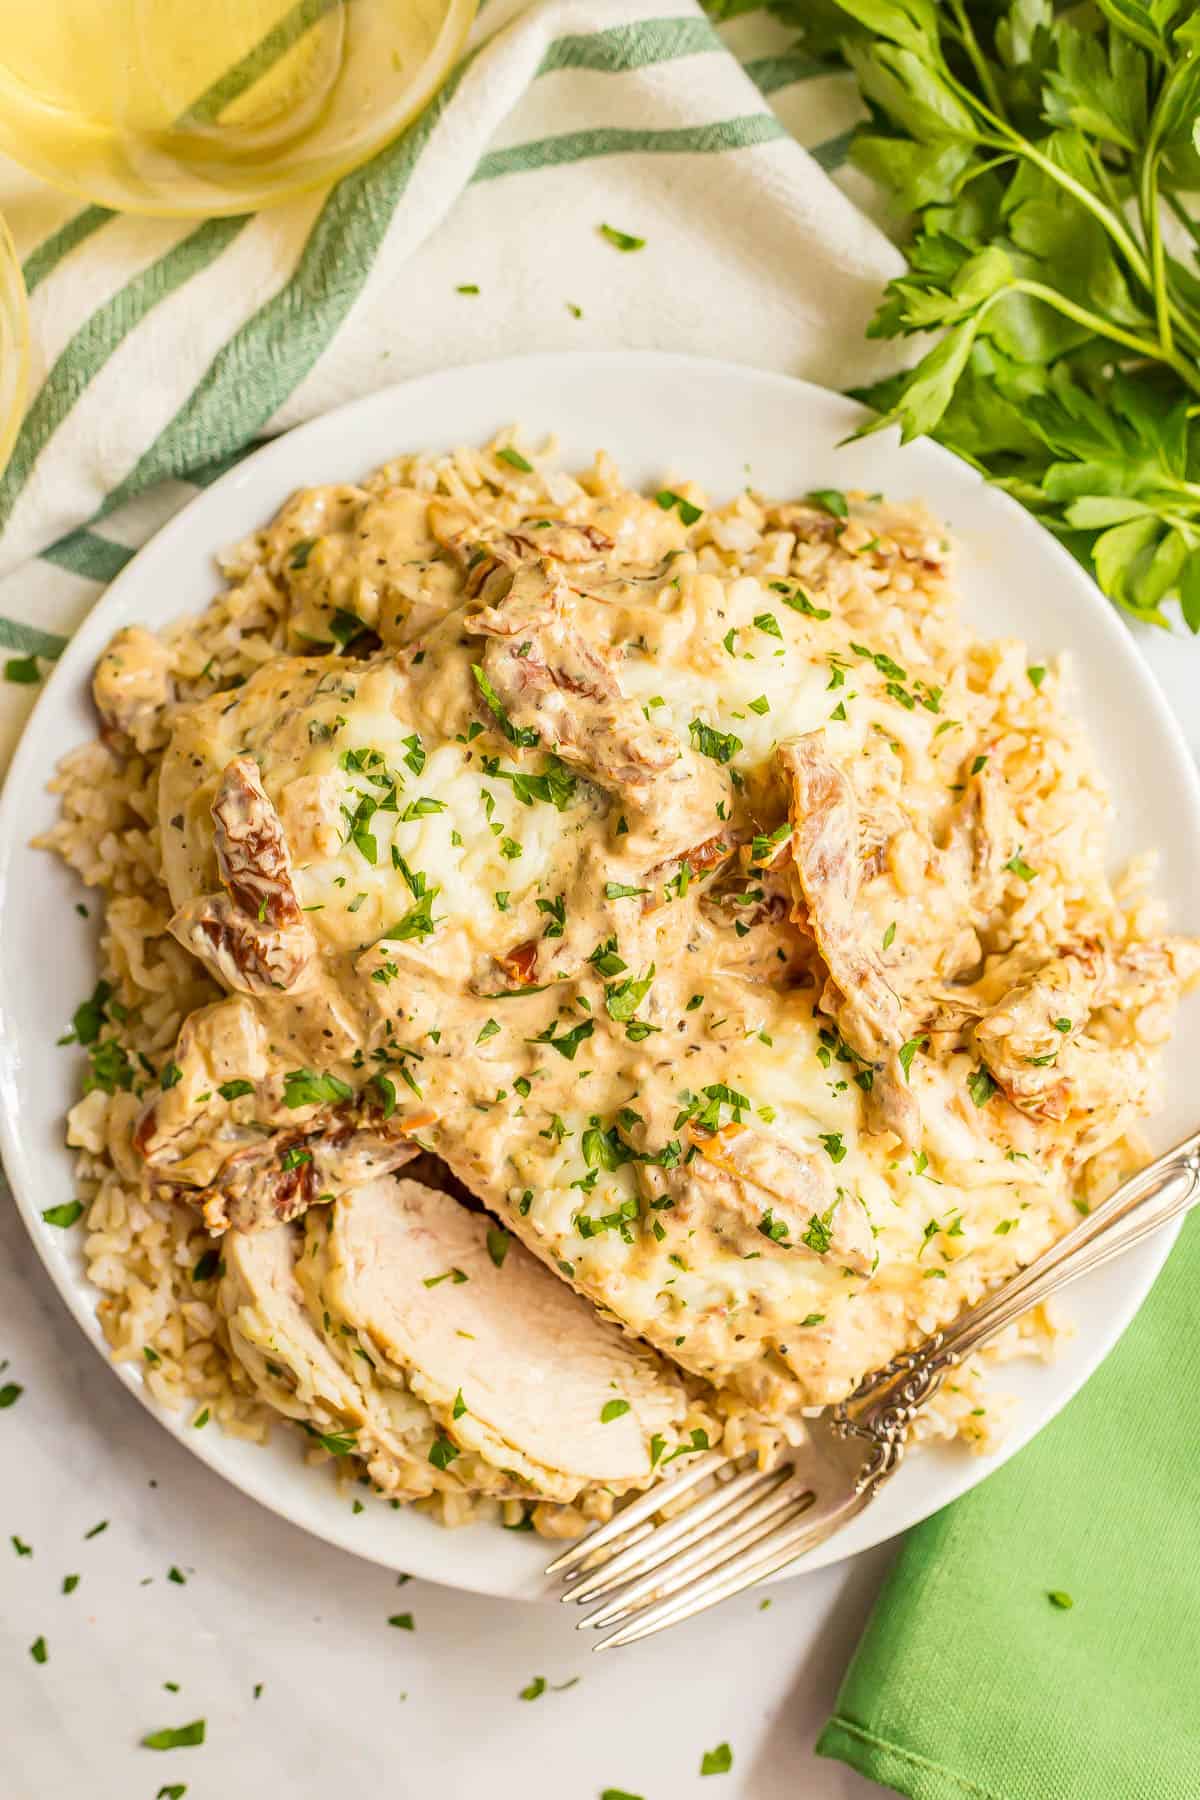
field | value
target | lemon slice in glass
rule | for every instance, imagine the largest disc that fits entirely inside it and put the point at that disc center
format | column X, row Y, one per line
column 202, row 107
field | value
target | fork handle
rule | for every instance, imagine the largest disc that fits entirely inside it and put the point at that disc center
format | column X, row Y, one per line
column 883, row 1407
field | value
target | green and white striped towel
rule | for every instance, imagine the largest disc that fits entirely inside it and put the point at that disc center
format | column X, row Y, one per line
column 162, row 348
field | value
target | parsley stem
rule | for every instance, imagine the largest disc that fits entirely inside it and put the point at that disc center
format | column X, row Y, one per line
column 979, row 63
column 1144, row 347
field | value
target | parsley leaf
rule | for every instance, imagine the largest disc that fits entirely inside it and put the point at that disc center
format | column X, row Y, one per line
column 1042, row 153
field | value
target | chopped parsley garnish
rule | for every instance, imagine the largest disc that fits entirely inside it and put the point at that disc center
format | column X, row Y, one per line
column 421, row 808
column 1037, row 676
column 498, row 1241
column 418, row 922
column 699, row 1441
column 467, row 287
column 908, row 1051
column 23, row 670
column 338, row 1443
column 524, row 737
column 668, row 498
column 70, row 1583
column 171, row 1074
column 556, row 912
column 233, row 1090
column 207, row 1266
column 722, row 746
column 818, row 1234
column 773, row 1228
column 980, row 1086
column 1056, row 1597
column 514, row 459
column 10, row 1393
column 622, row 998
column 834, row 1147
column 402, row 1622
column 487, row 1030
column 768, row 623
column 177, row 1737
column 302, row 1088
column 799, row 602
column 345, row 626
column 889, row 936
column 442, row 1452
column 569, row 1042
column 38, row 1650
column 617, row 890
column 554, row 784
column 621, row 240
column 64, row 1215
column 812, row 1319
column 1019, row 866
column 718, row 1761
column 605, row 958
column 1004, row 1227
column 613, row 1409
column 535, row 1690
column 764, row 846
column 831, row 500
column 301, row 553
column 459, row 1407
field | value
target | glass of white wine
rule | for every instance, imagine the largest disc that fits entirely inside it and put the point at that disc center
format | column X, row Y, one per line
column 205, row 107
column 14, row 344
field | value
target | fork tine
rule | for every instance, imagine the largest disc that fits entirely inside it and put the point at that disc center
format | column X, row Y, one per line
column 704, row 1516
column 637, row 1510
column 782, row 1547
column 780, row 1508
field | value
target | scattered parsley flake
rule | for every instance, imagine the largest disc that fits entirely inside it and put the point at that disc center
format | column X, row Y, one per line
column 621, row 240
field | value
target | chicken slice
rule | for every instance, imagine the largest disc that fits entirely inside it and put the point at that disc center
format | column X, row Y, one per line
column 552, row 1394
column 866, row 1008
column 131, row 686
column 254, row 938
column 276, row 1340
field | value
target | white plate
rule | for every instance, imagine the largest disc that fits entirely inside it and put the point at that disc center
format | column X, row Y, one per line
column 663, row 417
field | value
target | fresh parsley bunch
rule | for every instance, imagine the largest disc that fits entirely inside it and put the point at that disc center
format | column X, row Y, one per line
column 1045, row 156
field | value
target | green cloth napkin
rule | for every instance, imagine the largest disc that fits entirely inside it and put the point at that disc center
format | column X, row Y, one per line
column 971, row 1681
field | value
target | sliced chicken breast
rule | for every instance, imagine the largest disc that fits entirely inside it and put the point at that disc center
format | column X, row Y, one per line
column 511, row 1362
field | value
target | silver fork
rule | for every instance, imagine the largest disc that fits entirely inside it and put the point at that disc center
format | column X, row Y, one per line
column 720, row 1524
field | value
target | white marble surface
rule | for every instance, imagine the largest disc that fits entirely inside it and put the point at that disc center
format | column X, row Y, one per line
column 349, row 1705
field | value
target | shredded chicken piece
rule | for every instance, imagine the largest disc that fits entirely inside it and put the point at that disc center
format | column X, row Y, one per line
column 1029, row 1039
column 132, row 685
column 552, row 682
column 789, row 1199
column 859, row 997
column 458, row 528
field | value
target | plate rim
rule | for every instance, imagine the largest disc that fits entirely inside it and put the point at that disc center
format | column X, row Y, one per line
column 30, row 762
